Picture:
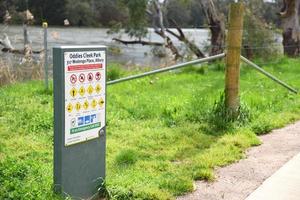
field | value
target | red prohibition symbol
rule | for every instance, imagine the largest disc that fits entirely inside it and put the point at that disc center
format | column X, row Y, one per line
column 81, row 78
column 90, row 77
column 73, row 78
column 98, row 76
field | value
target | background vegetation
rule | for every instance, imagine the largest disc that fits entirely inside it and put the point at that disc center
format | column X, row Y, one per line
column 111, row 12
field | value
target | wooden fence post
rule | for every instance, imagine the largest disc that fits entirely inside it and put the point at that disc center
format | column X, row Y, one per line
column 234, row 42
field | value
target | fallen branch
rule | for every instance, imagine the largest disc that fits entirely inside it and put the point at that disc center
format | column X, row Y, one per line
column 7, row 47
column 19, row 51
column 142, row 42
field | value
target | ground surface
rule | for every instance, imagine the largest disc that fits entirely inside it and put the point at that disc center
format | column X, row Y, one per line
column 237, row 181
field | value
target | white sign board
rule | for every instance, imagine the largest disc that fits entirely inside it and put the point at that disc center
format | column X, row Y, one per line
column 84, row 95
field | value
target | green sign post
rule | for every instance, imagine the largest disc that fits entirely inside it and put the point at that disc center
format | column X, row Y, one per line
column 79, row 119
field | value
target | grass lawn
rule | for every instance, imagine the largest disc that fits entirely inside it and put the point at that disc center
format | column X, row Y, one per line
column 163, row 132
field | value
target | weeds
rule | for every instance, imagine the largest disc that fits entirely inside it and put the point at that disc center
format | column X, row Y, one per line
column 223, row 118
column 11, row 73
column 114, row 72
column 126, row 157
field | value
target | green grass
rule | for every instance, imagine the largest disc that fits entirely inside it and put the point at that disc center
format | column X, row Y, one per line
column 162, row 131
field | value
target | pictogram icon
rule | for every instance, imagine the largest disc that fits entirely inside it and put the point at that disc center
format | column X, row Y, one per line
column 81, row 91
column 78, row 106
column 90, row 77
column 98, row 88
column 98, row 76
column 101, row 103
column 81, row 78
column 94, row 103
column 73, row 78
column 70, row 108
column 90, row 89
column 86, row 105
column 73, row 92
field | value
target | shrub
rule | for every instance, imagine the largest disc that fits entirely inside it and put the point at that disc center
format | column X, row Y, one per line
column 258, row 38
column 114, row 72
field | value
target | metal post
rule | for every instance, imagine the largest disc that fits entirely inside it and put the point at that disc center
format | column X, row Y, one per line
column 268, row 75
column 45, row 26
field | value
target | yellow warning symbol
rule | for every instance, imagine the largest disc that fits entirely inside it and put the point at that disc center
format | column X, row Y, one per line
column 101, row 102
column 70, row 107
column 90, row 89
column 73, row 92
column 78, row 106
column 94, row 103
column 86, row 105
column 82, row 91
column 98, row 88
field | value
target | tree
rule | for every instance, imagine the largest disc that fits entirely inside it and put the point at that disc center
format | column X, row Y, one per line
column 180, row 12
column 80, row 13
column 136, row 28
column 159, row 17
column 52, row 11
column 110, row 13
column 291, row 29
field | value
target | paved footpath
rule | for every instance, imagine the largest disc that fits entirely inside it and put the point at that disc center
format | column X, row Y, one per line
column 283, row 185
column 254, row 175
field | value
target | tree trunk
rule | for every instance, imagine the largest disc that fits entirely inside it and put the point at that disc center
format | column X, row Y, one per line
column 216, row 26
column 160, row 29
column 291, row 29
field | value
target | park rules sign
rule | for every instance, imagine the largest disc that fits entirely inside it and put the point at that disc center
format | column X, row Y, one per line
column 84, row 95
column 79, row 80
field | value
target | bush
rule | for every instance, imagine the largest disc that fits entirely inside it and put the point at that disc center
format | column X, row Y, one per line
column 114, row 72
column 258, row 38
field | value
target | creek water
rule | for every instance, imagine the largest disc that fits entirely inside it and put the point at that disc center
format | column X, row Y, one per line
column 130, row 54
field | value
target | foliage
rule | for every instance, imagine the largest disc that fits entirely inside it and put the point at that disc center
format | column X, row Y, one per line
column 259, row 38
column 80, row 13
column 114, row 72
column 137, row 18
column 158, row 137
column 180, row 12
column 109, row 12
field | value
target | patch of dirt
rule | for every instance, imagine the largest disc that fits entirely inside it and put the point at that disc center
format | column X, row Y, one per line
column 239, row 180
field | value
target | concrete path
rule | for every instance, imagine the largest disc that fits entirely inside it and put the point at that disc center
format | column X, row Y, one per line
column 283, row 185
column 239, row 180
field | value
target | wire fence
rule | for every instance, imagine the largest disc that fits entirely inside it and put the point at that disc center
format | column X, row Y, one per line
column 14, row 67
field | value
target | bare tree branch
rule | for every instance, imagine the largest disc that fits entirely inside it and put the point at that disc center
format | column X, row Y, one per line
column 159, row 28
column 181, row 37
column 7, row 47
